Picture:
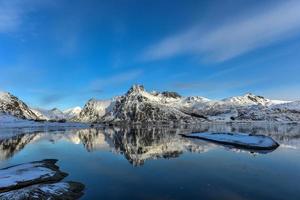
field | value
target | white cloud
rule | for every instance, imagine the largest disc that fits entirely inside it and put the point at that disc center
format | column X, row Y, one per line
column 244, row 33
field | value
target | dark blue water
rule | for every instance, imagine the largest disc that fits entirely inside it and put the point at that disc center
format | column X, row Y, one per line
column 157, row 163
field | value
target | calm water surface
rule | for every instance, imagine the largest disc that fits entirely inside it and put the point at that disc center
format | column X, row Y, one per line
column 157, row 163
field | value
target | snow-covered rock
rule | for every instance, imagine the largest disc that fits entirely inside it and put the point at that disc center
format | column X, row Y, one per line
column 61, row 190
column 259, row 142
column 26, row 174
column 37, row 180
column 9, row 104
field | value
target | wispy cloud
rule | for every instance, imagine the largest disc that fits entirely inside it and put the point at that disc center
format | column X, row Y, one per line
column 216, row 86
column 117, row 79
column 9, row 16
column 51, row 99
column 13, row 13
column 246, row 32
column 284, row 92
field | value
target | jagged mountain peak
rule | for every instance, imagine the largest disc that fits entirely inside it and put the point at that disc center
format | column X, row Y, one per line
column 92, row 100
column 251, row 96
column 136, row 89
column 4, row 94
column 171, row 94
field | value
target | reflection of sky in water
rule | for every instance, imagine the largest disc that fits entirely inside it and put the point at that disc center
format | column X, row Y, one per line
column 170, row 167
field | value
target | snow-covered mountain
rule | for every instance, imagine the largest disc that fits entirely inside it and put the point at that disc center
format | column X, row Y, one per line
column 94, row 110
column 251, row 99
column 72, row 112
column 139, row 106
column 56, row 114
column 11, row 105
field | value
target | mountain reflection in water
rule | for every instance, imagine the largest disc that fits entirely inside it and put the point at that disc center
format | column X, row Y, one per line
column 139, row 144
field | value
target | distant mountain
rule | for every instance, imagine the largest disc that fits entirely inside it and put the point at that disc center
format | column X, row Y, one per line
column 53, row 114
column 56, row 114
column 9, row 104
column 251, row 99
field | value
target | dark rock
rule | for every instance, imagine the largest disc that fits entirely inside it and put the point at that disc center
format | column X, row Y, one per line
column 171, row 94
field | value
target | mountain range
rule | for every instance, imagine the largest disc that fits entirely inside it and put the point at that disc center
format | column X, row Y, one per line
column 140, row 106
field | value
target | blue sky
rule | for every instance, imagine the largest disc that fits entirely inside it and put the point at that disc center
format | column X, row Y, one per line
column 62, row 53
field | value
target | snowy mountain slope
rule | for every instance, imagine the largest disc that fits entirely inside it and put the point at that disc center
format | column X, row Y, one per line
column 9, row 104
column 72, row 112
column 288, row 106
column 139, row 106
column 251, row 99
column 94, row 110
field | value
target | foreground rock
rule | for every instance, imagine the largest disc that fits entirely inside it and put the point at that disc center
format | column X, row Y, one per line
column 61, row 190
column 22, row 175
column 37, row 180
column 248, row 141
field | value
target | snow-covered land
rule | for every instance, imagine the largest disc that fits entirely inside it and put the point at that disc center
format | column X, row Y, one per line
column 29, row 173
column 9, row 121
column 260, row 142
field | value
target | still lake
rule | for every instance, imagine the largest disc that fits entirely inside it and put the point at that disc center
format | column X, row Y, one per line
column 157, row 163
